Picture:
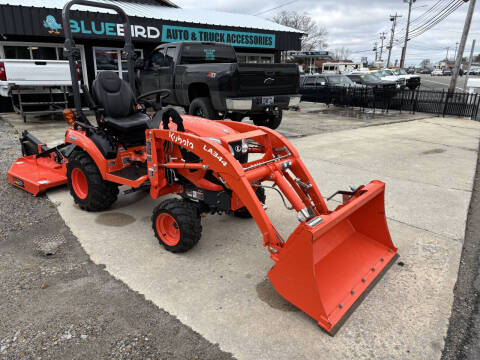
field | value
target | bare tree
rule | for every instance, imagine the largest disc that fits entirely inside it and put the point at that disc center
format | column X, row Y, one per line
column 315, row 36
column 342, row 53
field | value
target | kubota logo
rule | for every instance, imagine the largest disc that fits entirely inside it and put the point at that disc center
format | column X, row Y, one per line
column 177, row 139
column 215, row 155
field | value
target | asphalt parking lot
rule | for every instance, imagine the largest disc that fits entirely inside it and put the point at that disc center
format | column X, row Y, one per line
column 429, row 82
column 219, row 289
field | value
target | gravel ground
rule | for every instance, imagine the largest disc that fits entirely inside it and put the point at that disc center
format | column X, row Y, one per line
column 56, row 304
column 463, row 338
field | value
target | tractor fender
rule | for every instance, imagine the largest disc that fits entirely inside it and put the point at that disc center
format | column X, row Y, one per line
column 82, row 141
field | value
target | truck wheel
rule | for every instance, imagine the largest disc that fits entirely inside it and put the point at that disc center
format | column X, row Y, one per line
column 270, row 121
column 236, row 116
column 176, row 224
column 243, row 212
column 202, row 107
column 86, row 184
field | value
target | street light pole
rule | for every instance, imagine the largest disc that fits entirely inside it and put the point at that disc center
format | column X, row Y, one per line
column 404, row 49
column 461, row 49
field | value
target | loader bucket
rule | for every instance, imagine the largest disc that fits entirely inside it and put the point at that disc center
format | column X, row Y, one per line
column 330, row 261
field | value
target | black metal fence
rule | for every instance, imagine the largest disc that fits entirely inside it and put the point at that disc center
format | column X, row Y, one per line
column 440, row 103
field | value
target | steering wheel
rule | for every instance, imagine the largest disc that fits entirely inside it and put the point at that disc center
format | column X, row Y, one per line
column 157, row 103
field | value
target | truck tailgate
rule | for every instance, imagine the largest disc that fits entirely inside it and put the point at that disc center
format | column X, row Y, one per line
column 37, row 72
column 268, row 79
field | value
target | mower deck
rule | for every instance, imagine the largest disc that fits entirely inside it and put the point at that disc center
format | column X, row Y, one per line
column 37, row 174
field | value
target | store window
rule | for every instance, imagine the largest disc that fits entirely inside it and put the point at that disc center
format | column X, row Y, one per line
column 17, row 52
column 255, row 58
column 44, row 53
column 110, row 59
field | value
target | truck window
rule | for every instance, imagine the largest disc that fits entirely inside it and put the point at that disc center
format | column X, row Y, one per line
column 157, row 59
column 170, row 56
column 206, row 54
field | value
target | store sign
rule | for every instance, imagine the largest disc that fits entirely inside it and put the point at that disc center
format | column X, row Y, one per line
column 101, row 28
column 236, row 38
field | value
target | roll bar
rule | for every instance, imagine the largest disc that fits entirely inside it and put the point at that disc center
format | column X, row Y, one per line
column 73, row 53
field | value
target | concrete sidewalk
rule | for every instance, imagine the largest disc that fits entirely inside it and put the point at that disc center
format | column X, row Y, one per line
column 219, row 288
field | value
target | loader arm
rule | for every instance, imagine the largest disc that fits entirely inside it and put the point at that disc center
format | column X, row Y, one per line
column 332, row 258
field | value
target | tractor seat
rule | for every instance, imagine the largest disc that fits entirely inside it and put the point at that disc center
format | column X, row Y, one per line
column 132, row 123
column 118, row 101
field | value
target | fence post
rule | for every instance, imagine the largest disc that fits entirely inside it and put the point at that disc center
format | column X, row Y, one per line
column 477, row 105
column 447, row 95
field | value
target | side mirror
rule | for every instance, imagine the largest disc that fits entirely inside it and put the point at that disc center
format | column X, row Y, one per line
column 139, row 64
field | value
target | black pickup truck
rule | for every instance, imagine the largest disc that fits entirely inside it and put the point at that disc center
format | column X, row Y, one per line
column 207, row 80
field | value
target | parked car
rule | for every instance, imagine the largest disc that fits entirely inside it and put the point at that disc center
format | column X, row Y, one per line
column 387, row 75
column 326, row 88
column 412, row 81
column 425, row 71
column 206, row 79
column 371, row 80
column 447, row 72
column 437, row 72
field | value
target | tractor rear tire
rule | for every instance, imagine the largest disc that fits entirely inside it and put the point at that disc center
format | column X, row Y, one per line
column 270, row 121
column 202, row 107
column 86, row 184
column 177, row 225
column 243, row 212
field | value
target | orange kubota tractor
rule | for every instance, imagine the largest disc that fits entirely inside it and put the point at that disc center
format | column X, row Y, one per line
column 325, row 265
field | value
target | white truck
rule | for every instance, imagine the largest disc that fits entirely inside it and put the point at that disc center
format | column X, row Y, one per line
column 16, row 73
column 36, row 87
column 412, row 81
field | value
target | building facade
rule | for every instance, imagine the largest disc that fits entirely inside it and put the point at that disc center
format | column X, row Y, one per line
column 32, row 29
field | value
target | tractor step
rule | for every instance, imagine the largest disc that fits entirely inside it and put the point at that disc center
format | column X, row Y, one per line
column 131, row 172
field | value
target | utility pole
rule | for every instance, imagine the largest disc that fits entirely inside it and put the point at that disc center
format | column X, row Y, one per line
column 404, row 49
column 467, row 75
column 393, row 19
column 448, row 48
column 456, row 48
column 375, row 48
column 461, row 49
column 382, row 37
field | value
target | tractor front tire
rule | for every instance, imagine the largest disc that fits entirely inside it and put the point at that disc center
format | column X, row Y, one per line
column 202, row 107
column 86, row 184
column 243, row 212
column 177, row 225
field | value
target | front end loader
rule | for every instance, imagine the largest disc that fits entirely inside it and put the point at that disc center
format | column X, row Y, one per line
column 324, row 267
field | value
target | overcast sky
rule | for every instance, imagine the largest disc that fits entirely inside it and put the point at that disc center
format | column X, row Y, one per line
column 357, row 24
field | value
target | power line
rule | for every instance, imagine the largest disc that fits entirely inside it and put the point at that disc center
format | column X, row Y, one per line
column 425, row 13
column 437, row 18
column 440, row 13
column 275, row 8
